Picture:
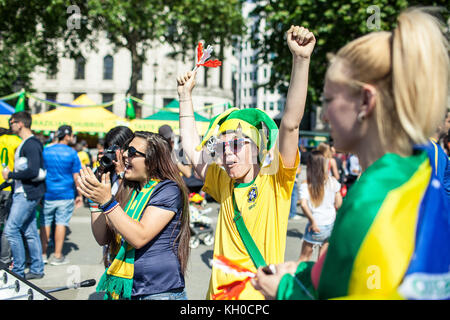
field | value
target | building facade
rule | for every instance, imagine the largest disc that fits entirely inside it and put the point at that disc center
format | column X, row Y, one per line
column 104, row 76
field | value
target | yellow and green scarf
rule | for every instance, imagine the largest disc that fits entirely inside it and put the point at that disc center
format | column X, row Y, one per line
column 117, row 281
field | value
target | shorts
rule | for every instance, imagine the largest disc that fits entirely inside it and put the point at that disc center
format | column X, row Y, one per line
column 318, row 238
column 59, row 211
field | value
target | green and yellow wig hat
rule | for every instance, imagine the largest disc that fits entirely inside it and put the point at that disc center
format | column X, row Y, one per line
column 254, row 123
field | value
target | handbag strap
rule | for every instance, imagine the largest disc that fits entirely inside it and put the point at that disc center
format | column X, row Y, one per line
column 249, row 243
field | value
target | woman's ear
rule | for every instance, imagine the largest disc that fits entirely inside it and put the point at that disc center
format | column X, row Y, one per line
column 368, row 96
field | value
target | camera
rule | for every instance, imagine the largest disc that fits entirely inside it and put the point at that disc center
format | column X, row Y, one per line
column 109, row 155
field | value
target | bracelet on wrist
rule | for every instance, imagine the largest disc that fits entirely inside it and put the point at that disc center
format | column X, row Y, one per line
column 111, row 209
column 105, row 206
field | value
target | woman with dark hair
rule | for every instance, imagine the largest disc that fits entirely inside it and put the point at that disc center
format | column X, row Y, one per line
column 148, row 223
column 111, row 161
column 115, row 141
column 319, row 199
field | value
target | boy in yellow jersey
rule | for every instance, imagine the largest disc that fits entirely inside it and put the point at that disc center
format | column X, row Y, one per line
column 249, row 194
column 8, row 146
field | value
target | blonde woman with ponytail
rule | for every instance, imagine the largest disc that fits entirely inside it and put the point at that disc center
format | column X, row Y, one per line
column 385, row 94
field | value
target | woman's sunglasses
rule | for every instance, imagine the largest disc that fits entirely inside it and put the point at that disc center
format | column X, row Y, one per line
column 235, row 145
column 132, row 152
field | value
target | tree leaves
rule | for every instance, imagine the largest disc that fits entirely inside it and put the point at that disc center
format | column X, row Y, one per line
column 334, row 23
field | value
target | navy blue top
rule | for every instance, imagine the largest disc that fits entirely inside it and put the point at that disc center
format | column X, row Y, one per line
column 156, row 265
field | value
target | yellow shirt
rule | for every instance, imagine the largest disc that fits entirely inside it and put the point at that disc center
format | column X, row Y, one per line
column 8, row 146
column 84, row 158
column 264, row 205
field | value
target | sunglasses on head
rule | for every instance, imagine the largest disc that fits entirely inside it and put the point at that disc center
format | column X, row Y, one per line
column 234, row 144
column 132, row 152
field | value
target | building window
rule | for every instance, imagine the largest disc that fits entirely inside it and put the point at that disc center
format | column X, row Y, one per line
column 140, row 73
column 51, row 96
column 205, row 77
column 265, row 72
column 80, row 64
column 272, row 106
column 108, row 97
column 108, row 67
column 51, row 74
column 280, row 105
column 166, row 101
column 77, row 94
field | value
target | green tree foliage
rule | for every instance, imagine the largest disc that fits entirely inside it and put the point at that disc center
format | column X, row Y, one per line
column 31, row 31
column 216, row 22
column 134, row 25
column 137, row 25
column 334, row 23
column 29, row 35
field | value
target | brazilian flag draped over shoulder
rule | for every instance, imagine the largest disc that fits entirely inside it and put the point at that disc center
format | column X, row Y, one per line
column 391, row 238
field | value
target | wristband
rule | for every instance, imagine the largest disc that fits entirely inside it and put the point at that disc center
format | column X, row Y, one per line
column 116, row 204
column 108, row 204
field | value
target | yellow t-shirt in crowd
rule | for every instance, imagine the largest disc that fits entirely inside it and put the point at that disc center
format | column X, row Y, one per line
column 84, row 158
column 8, row 146
column 264, row 205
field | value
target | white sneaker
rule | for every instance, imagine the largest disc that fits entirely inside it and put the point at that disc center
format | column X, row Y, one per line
column 59, row 261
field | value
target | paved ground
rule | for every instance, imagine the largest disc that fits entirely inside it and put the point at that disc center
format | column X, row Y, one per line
column 85, row 259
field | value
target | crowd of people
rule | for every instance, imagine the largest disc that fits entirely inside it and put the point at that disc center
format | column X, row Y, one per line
column 393, row 213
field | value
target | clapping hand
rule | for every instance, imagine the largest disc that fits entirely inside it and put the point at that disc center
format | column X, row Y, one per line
column 118, row 163
column 301, row 42
column 89, row 186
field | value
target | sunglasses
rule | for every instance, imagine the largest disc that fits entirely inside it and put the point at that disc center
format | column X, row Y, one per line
column 235, row 145
column 132, row 152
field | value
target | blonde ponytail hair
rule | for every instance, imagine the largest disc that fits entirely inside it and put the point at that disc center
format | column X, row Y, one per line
column 410, row 69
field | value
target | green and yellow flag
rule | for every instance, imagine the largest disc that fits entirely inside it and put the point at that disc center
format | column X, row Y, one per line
column 117, row 281
column 20, row 105
column 130, row 113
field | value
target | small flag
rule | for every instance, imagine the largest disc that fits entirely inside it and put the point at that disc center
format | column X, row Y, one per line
column 203, row 56
column 231, row 291
column 20, row 105
column 130, row 113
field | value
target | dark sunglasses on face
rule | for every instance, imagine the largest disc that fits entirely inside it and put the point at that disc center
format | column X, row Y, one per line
column 235, row 145
column 132, row 152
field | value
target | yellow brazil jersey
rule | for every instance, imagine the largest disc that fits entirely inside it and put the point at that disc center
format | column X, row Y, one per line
column 264, row 205
column 84, row 158
column 8, row 146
